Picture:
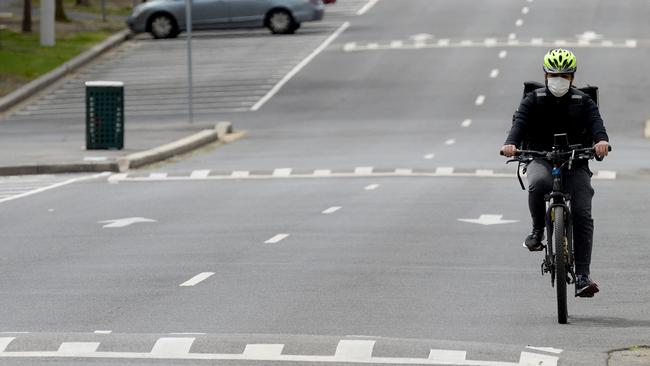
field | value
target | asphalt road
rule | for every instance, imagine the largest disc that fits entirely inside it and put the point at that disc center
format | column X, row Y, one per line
column 351, row 258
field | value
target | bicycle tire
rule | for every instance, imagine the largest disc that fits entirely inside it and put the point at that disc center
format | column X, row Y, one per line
column 560, row 241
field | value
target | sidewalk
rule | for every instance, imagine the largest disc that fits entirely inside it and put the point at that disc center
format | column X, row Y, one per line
column 58, row 146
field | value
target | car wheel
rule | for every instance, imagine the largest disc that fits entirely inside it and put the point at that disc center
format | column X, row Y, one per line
column 163, row 26
column 281, row 22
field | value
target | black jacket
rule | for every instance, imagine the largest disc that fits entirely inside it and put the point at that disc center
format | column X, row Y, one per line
column 541, row 115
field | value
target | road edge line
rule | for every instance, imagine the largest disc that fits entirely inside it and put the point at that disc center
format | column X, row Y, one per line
column 57, row 185
column 300, row 66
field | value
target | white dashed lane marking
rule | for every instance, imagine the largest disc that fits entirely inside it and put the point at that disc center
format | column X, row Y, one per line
column 371, row 187
column 196, row 279
column 354, row 351
column 360, row 172
column 511, row 41
column 503, row 54
column 480, row 100
column 466, row 123
column 494, row 73
column 276, row 239
column 331, row 210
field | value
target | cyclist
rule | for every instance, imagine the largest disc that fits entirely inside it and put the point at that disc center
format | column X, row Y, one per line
column 560, row 108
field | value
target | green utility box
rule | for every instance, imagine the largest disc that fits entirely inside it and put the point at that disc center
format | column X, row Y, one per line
column 104, row 115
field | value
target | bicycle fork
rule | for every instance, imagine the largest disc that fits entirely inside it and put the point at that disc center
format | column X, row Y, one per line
column 548, row 263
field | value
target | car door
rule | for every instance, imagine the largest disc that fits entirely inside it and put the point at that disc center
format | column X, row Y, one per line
column 209, row 13
column 248, row 12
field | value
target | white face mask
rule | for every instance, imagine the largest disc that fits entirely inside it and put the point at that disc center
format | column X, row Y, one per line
column 558, row 86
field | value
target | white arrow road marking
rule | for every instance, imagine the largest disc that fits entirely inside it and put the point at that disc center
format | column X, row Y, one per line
column 124, row 222
column 589, row 36
column 488, row 220
column 197, row 279
column 546, row 349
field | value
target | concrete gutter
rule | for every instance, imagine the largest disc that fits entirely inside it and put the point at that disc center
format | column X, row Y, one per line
column 51, row 77
column 223, row 131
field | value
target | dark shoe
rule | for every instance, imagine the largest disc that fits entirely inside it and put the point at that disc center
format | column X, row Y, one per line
column 585, row 287
column 534, row 241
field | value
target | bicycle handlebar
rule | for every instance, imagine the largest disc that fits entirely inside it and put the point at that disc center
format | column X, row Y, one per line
column 556, row 154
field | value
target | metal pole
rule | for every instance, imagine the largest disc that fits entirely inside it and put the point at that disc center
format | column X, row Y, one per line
column 188, row 25
column 47, row 23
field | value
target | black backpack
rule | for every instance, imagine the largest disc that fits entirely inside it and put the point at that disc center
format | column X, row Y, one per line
column 590, row 90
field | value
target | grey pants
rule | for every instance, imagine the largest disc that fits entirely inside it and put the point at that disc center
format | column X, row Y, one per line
column 577, row 183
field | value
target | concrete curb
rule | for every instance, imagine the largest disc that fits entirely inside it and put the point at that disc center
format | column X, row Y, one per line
column 178, row 147
column 223, row 131
column 51, row 77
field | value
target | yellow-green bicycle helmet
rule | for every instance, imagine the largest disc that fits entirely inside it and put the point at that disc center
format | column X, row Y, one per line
column 559, row 60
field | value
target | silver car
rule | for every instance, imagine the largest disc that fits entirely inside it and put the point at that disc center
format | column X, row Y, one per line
column 166, row 18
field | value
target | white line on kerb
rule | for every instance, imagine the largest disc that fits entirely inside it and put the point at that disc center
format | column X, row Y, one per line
column 276, row 239
column 367, row 7
column 300, row 66
column 39, row 190
column 196, row 279
column 331, row 210
column 494, row 73
column 102, row 332
column 480, row 100
column 466, row 123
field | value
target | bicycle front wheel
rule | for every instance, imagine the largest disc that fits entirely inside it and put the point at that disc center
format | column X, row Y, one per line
column 561, row 259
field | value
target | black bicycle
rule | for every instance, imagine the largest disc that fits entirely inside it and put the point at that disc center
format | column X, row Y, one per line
column 559, row 254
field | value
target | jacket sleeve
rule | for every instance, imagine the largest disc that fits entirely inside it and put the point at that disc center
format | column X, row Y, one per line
column 521, row 120
column 596, row 123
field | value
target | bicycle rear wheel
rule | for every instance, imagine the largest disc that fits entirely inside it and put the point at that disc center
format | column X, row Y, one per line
column 560, row 241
